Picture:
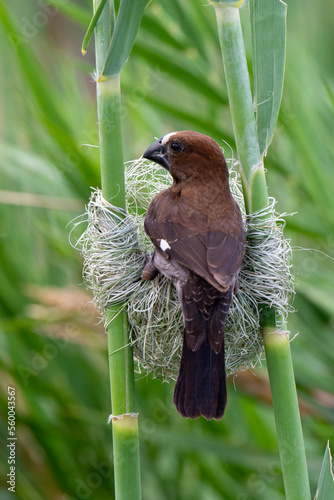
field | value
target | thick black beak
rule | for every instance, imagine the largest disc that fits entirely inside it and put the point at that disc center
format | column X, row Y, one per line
column 157, row 152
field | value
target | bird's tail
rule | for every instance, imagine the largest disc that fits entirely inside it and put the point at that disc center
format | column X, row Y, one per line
column 200, row 389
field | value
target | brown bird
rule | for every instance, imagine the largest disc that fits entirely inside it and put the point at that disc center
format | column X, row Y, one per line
column 197, row 231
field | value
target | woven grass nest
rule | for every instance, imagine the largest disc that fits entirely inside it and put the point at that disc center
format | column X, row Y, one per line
column 114, row 246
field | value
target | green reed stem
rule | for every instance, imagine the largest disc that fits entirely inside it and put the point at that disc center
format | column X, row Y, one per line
column 124, row 420
column 287, row 417
column 281, row 375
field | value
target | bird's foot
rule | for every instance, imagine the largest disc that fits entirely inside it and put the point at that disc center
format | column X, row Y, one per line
column 149, row 271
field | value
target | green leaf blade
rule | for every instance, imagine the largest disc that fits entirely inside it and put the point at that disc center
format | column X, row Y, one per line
column 325, row 489
column 268, row 29
column 91, row 27
column 128, row 21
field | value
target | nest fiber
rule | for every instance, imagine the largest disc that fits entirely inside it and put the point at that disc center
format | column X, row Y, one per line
column 114, row 247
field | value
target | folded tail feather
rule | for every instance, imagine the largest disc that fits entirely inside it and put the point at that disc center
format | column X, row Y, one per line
column 200, row 389
column 201, row 385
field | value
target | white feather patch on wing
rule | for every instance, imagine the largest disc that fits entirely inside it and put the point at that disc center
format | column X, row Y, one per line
column 164, row 245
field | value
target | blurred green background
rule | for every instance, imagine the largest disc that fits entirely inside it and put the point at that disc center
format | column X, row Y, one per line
column 52, row 349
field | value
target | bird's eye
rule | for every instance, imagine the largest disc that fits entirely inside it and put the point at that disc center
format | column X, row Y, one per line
column 175, row 147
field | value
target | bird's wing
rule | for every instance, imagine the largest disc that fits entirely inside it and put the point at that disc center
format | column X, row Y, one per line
column 225, row 253
column 214, row 255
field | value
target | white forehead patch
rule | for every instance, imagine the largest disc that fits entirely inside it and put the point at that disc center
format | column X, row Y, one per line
column 167, row 137
column 164, row 245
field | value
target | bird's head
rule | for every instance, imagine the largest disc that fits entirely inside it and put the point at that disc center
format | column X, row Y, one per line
column 188, row 155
